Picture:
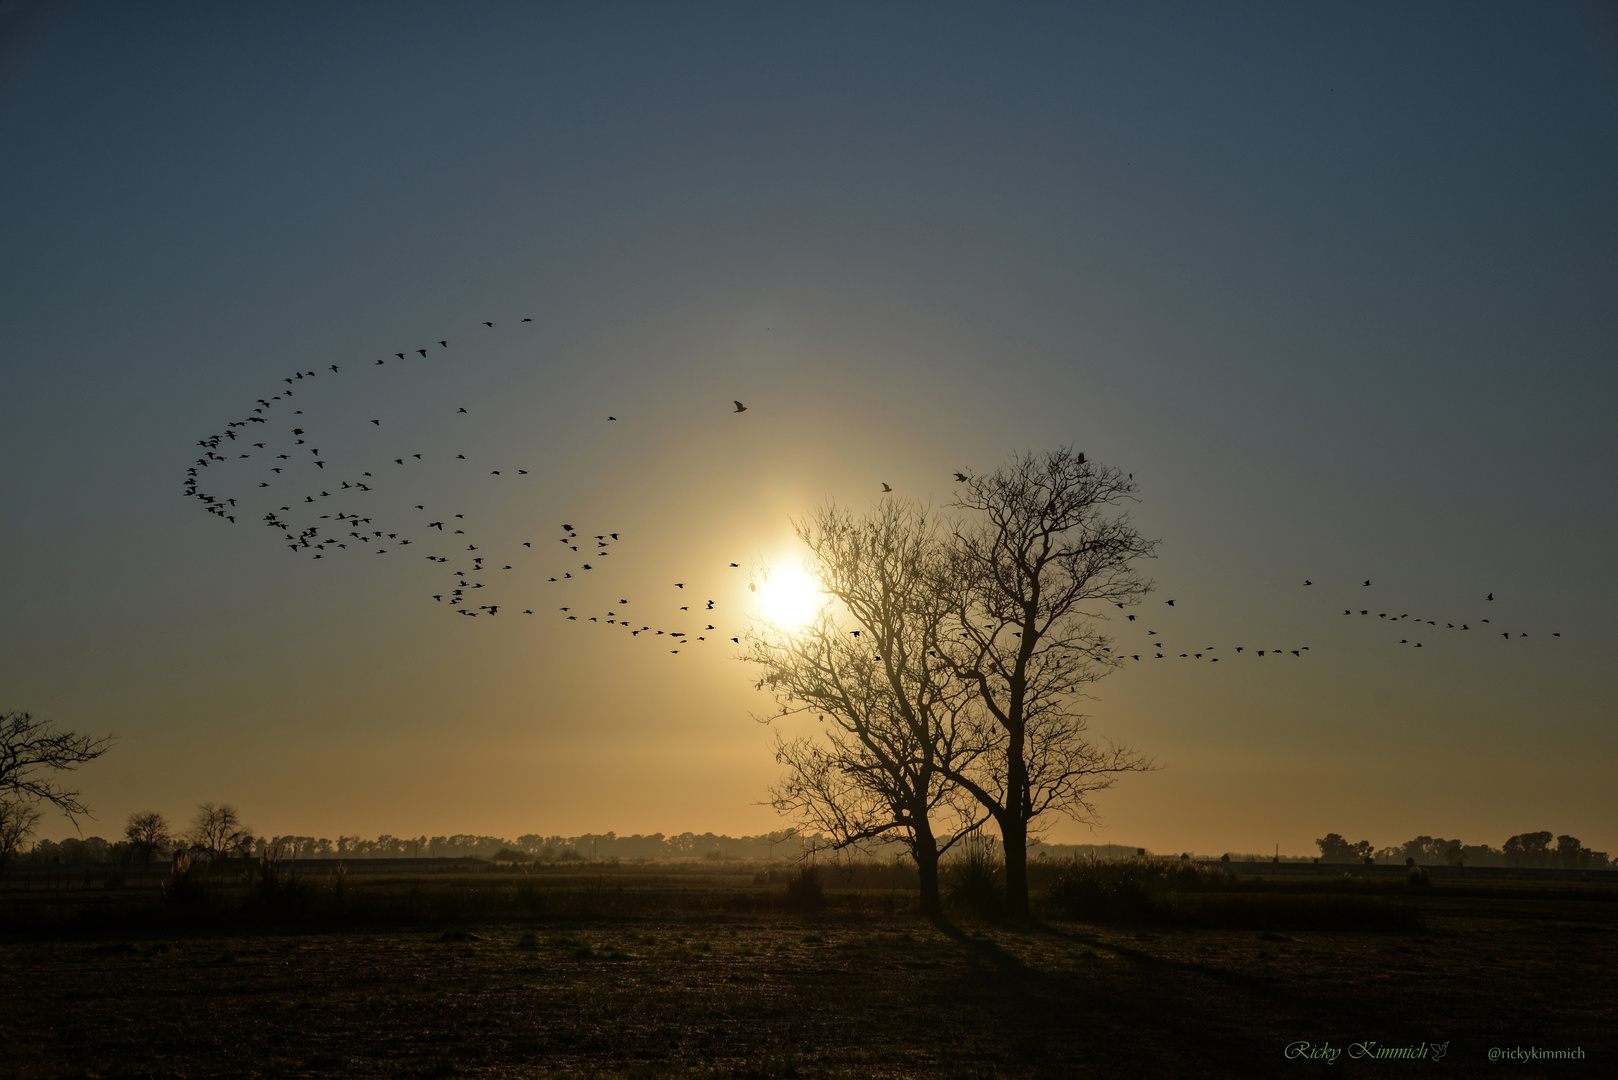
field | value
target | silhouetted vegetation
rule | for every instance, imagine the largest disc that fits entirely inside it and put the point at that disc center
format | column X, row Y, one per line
column 32, row 751
column 1183, row 893
column 950, row 694
column 899, row 725
column 975, row 879
column 147, row 834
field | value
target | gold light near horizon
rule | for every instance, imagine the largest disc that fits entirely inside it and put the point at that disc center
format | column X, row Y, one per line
column 790, row 596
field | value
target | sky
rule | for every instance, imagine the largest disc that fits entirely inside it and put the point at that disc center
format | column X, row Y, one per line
column 1336, row 284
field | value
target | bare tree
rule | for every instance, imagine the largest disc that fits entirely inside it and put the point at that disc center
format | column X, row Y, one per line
column 148, row 833
column 217, row 829
column 881, row 766
column 17, row 820
column 31, row 750
column 1046, row 543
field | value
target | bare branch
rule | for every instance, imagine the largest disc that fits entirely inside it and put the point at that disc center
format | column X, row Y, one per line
column 31, row 747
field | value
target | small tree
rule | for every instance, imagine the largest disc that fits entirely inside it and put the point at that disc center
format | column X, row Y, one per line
column 17, row 820
column 217, row 829
column 32, row 750
column 148, row 833
column 1046, row 544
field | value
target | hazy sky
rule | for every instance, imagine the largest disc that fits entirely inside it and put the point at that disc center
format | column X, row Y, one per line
column 1337, row 285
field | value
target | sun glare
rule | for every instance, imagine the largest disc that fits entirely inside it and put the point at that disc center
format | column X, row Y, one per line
column 790, row 597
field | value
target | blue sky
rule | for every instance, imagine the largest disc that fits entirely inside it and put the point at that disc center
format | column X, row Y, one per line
column 1337, row 285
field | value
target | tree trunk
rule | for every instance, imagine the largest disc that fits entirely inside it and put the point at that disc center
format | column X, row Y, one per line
column 1014, row 835
column 1014, row 820
column 925, row 851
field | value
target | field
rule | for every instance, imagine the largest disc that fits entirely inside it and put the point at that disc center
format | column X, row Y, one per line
column 695, row 972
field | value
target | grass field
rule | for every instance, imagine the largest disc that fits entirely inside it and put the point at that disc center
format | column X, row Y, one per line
column 650, row 973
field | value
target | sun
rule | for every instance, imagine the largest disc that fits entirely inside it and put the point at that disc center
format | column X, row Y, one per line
column 790, row 597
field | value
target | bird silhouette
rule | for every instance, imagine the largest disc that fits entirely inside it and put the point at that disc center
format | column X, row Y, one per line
column 740, row 407
column 885, row 487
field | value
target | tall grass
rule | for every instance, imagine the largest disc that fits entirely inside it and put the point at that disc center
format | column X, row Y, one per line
column 972, row 878
column 1187, row 894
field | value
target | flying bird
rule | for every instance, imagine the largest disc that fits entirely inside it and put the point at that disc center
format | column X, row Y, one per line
column 740, row 407
column 885, row 487
column 960, row 478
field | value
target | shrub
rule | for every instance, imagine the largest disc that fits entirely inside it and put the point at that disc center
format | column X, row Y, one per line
column 972, row 880
column 185, row 892
column 805, row 892
column 1184, row 894
column 1127, row 889
column 512, row 855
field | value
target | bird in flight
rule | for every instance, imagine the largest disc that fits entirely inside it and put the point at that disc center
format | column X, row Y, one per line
column 740, row 407
column 960, row 478
column 885, row 487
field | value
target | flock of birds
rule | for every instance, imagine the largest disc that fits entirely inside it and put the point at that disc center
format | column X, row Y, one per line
column 327, row 509
column 1155, row 645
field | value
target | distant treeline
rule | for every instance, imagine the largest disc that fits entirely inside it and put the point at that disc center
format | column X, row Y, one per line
column 1535, row 849
column 530, row 847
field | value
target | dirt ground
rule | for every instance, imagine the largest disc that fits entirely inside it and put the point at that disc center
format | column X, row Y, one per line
column 841, row 993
